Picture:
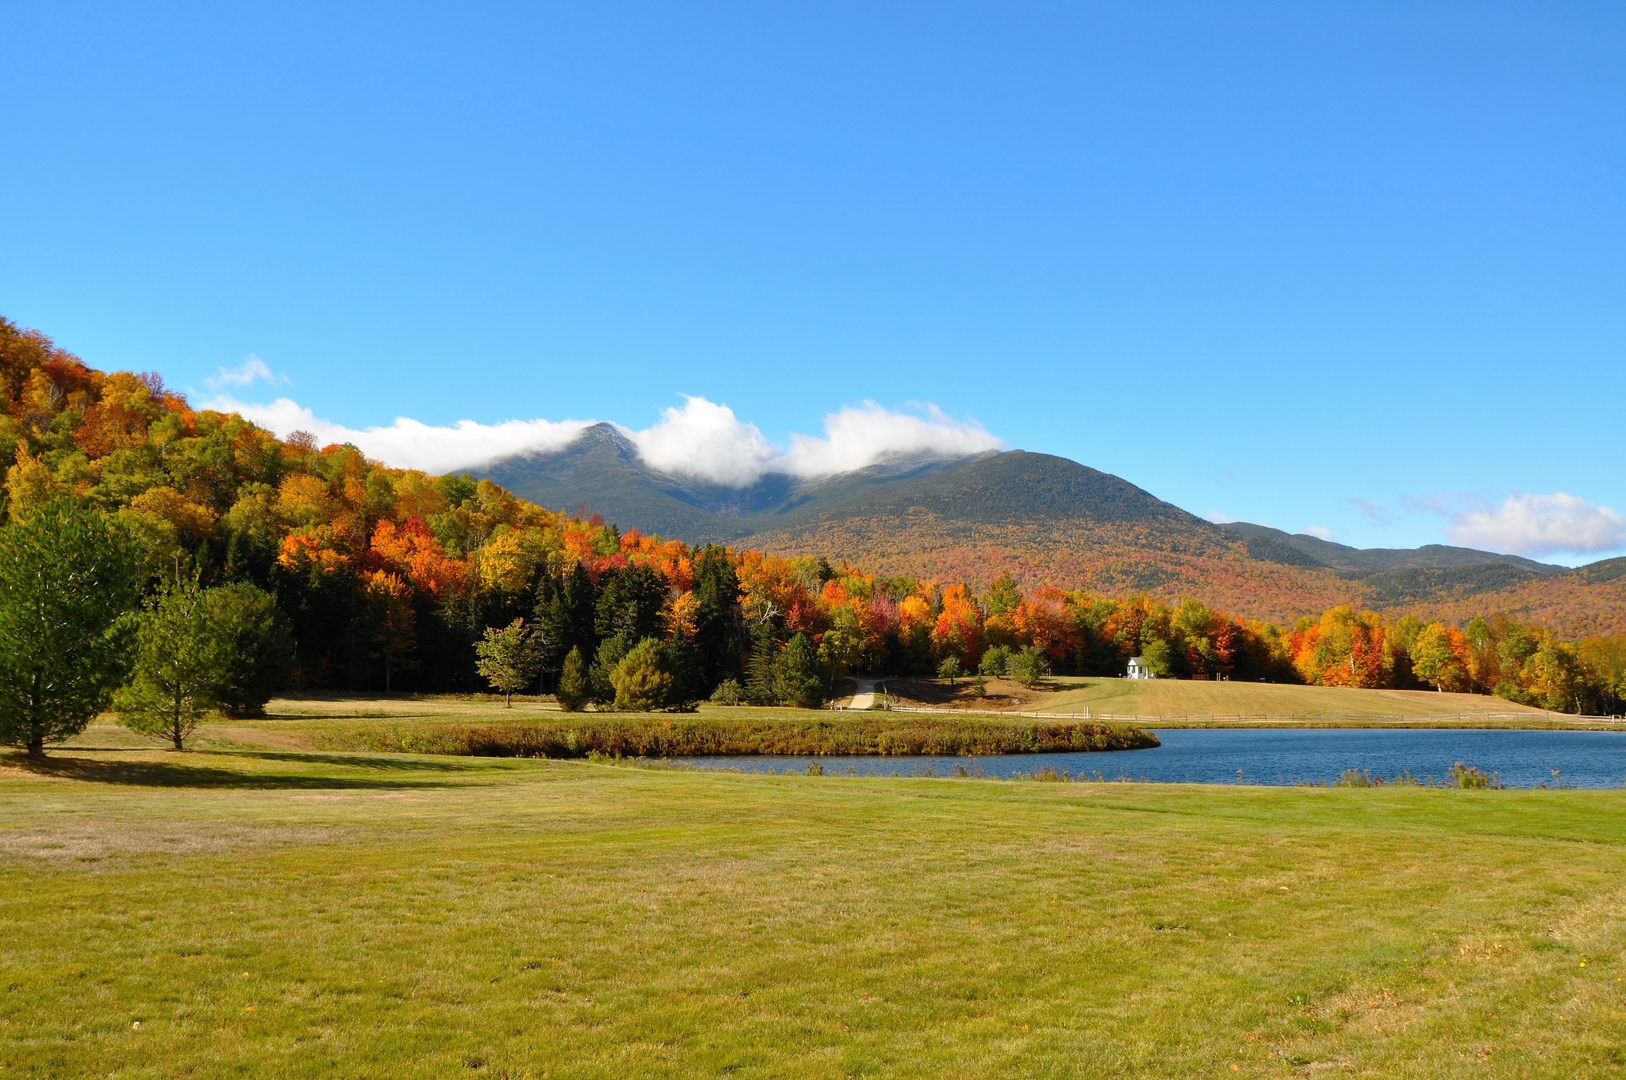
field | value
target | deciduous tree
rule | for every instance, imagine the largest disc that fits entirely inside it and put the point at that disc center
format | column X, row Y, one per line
column 1030, row 666
column 66, row 579
column 508, row 658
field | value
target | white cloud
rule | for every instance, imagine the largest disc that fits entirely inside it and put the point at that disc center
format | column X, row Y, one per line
column 1220, row 517
column 244, row 374
column 1537, row 525
column 702, row 439
column 708, row 441
column 1320, row 532
column 408, row 444
column 864, row 434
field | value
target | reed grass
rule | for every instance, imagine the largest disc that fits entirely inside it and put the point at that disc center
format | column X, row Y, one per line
column 684, row 735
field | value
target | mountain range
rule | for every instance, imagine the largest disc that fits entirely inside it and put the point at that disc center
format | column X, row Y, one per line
column 1052, row 521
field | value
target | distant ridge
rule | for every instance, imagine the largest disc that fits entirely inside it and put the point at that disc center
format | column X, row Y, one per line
column 1051, row 521
column 1266, row 543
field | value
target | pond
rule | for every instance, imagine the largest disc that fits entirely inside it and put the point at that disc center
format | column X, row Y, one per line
column 1278, row 756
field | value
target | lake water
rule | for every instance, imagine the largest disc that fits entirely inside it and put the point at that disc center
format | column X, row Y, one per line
column 1279, row 756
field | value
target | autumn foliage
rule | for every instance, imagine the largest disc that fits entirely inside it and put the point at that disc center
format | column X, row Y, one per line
column 387, row 578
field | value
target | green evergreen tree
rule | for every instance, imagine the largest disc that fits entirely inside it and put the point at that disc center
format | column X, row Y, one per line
column 796, row 677
column 686, row 689
column 600, row 685
column 182, row 659
column 573, row 687
column 717, row 622
column 643, row 679
column 553, row 645
column 259, row 650
column 759, row 674
column 565, row 613
column 67, row 577
column 630, row 603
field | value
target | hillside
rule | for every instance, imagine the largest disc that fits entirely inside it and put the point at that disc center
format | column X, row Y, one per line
column 1274, row 545
column 1050, row 521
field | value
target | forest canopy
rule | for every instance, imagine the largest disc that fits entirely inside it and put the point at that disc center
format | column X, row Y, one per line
column 391, row 579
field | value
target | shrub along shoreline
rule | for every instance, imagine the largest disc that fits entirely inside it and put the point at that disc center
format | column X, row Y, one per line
column 708, row 736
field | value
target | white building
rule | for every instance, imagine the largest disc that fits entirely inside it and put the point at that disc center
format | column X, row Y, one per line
column 1138, row 669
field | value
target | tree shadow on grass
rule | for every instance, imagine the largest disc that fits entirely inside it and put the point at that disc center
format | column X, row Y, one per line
column 385, row 762
column 179, row 774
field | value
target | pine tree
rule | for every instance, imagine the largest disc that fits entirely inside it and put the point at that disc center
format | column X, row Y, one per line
column 600, row 684
column 717, row 620
column 759, row 675
column 573, row 682
column 630, row 603
column 796, row 678
column 259, row 650
column 564, row 615
column 182, row 659
column 643, row 679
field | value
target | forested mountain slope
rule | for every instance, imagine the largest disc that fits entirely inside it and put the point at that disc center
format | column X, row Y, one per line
column 1049, row 521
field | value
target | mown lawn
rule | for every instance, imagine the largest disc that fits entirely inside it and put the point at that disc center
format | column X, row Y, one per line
column 261, row 912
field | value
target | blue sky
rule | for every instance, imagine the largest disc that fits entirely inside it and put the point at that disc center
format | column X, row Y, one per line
column 1358, row 268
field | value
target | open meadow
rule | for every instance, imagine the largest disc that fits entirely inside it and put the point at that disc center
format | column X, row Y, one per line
column 1173, row 701
column 275, row 911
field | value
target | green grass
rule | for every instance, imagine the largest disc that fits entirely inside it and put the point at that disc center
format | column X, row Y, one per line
column 284, row 913
column 1176, row 699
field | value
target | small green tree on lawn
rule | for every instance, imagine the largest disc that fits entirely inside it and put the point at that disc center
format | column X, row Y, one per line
column 509, row 658
column 728, row 692
column 950, row 669
column 994, row 662
column 601, row 676
column 1030, row 666
column 182, row 661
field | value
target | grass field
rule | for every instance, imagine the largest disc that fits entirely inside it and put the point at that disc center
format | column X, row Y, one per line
column 249, row 911
column 1175, row 697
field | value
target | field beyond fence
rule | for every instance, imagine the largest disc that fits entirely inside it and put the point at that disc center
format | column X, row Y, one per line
column 1524, row 717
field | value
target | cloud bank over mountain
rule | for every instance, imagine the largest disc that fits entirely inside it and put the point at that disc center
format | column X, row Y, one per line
column 702, row 439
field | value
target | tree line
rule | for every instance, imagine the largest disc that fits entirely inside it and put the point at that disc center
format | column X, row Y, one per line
column 226, row 563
